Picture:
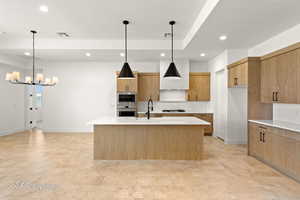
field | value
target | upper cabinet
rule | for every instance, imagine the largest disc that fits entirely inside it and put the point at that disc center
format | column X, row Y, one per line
column 148, row 86
column 280, row 76
column 246, row 74
column 127, row 85
column 199, row 86
column 238, row 73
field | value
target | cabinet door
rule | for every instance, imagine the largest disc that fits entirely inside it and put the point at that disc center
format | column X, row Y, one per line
column 191, row 95
column 278, row 150
column 199, row 87
column 298, row 76
column 297, row 161
column 148, row 86
column 232, row 77
column 267, row 144
column 127, row 85
column 287, row 77
column 243, row 74
column 255, row 146
column 268, row 80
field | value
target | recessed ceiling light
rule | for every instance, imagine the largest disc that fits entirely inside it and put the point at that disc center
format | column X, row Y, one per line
column 223, row 37
column 27, row 54
column 202, row 54
column 88, row 54
column 162, row 54
column 122, row 54
column 44, row 8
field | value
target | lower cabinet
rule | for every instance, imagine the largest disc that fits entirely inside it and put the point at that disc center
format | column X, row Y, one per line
column 277, row 147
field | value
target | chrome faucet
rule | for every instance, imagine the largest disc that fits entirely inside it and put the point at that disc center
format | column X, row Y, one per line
column 148, row 112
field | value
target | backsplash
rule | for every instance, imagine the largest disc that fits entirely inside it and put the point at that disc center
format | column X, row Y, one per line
column 287, row 112
column 203, row 107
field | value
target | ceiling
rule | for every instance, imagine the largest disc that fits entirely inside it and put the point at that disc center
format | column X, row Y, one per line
column 95, row 27
column 99, row 19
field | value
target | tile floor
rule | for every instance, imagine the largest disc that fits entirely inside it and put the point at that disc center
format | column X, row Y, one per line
column 34, row 165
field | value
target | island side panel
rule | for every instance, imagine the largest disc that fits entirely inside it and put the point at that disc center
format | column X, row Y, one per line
column 140, row 142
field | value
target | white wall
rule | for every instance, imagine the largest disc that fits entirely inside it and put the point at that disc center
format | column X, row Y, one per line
column 283, row 112
column 233, row 115
column 11, row 104
column 86, row 91
column 217, row 64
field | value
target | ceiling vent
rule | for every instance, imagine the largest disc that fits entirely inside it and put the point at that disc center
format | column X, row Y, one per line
column 167, row 35
column 63, row 34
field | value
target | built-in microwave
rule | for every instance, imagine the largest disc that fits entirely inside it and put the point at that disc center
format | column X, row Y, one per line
column 126, row 97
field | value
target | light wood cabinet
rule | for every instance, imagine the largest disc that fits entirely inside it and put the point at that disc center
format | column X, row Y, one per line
column 127, row 85
column 209, row 117
column 199, row 86
column 148, row 86
column 238, row 74
column 260, row 141
column 280, row 76
column 287, row 78
column 268, row 80
column 298, row 77
column 276, row 147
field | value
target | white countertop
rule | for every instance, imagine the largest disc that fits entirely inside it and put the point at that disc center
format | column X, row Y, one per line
column 151, row 121
column 279, row 124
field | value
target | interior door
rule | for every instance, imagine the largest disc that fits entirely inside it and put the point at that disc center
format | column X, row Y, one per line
column 220, row 110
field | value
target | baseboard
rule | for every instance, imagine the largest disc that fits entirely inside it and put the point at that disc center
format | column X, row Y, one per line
column 235, row 142
column 67, row 132
column 12, row 131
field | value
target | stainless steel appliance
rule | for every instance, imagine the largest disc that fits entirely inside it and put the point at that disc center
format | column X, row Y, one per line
column 126, row 104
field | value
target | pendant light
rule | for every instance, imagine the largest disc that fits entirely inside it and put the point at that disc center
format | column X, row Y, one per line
column 172, row 70
column 14, row 77
column 126, row 71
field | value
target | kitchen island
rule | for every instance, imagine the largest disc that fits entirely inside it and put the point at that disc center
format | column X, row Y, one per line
column 164, row 138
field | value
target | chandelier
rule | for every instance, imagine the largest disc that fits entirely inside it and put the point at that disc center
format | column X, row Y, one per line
column 14, row 77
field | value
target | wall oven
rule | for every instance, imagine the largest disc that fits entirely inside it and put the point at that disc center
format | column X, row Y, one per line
column 126, row 104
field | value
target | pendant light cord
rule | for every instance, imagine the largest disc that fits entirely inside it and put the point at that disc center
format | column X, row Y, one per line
column 125, row 42
column 33, row 56
column 172, row 43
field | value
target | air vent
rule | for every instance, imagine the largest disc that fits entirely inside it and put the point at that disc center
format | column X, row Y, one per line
column 63, row 34
column 167, row 35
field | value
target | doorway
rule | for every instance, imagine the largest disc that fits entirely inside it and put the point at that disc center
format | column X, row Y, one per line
column 34, row 107
column 220, row 105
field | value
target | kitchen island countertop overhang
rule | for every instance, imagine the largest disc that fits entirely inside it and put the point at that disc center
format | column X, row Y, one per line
column 151, row 121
